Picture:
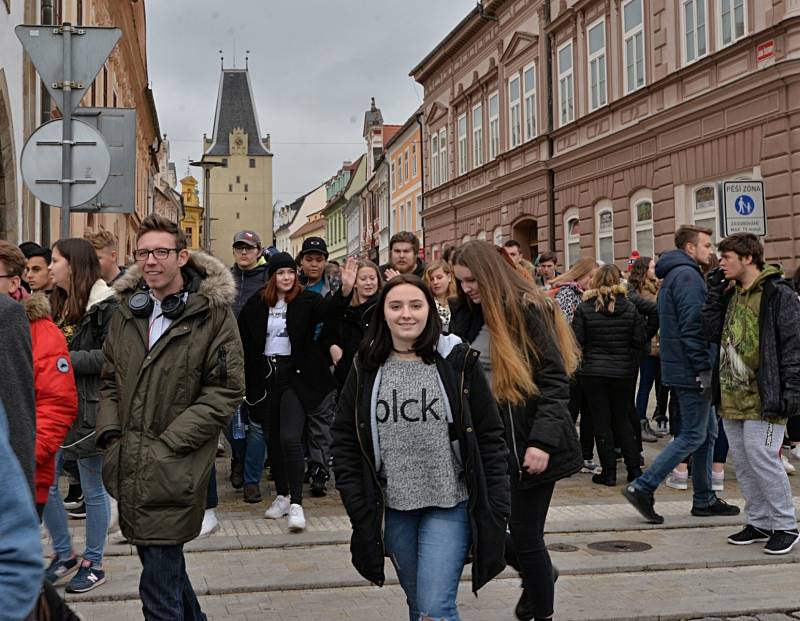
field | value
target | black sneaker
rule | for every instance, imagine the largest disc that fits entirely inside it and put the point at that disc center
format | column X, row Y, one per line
column 252, row 493
column 643, row 502
column 79, row 513
column 237, row 474
column 74, row 496
column 781, row 541
column 319, row 481
column 719, row 508
column 749, row 534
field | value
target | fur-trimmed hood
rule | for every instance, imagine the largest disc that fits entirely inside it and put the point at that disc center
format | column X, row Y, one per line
column 591, row 294
column 216, row 281
column 37, row 306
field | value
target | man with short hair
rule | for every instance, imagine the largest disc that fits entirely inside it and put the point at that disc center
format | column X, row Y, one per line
column 547, row 268
column 37, row 273
column 752, row 313
column 173, row 375
column 105, row 245
column 514, row 251
column 685, row 366
column 403, row 256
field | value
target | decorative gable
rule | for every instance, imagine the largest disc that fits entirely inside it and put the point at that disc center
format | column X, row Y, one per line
column 435, row 112
column 520, row 43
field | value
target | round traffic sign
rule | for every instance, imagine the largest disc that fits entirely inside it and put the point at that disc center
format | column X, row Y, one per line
column 744, row 205
column 41, row 163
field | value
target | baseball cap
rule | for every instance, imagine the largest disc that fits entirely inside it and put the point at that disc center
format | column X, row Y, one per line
column 250, row 238
column 314, row 244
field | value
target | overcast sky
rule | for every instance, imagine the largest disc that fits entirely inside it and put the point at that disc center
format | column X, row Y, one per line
column 314, row 64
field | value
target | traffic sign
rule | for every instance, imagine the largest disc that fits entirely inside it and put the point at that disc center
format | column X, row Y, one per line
column 743, row 207
column 42, row 164
column 67, row 56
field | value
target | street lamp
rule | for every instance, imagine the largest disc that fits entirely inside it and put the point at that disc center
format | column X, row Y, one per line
column 206, row 166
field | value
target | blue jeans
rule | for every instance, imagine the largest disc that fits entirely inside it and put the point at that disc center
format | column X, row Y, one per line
column 648, row 369
column 697, row 434
column 255, row 454
column 98, row 511
column 164, row 586
column 428, row 548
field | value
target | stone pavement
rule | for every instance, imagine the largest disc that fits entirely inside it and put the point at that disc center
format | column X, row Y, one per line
column 253, row 569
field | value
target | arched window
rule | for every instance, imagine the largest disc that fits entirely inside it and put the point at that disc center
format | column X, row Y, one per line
column 465, row 239
column 497, row 236
column 642, row 216
column 605, row 232
column 704, row 208
column 482, row 235
column 572, row 237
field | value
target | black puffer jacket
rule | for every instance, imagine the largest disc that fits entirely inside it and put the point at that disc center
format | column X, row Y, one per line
column 347, row 331
column 248, row 283
column 613, row 342
column 543, row 421
column 479, row 431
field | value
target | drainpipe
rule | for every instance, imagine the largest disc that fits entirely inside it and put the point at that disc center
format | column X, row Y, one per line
column 551, row 178
column 421, row 151
column 46, row 18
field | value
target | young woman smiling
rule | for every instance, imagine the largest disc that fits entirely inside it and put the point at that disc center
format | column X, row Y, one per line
column 286, row 374
column 419, row 456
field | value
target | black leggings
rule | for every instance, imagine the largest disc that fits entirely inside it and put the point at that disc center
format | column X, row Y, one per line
column 609, row 400
column 285, row 433
column 529, row 556
column 577, row 407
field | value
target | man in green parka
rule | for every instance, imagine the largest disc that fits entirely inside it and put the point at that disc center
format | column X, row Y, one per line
column 173, row 375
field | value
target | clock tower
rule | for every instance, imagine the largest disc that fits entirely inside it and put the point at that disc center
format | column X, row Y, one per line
column 238, row 190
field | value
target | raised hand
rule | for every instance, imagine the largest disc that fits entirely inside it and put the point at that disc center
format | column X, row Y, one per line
column 349, row 273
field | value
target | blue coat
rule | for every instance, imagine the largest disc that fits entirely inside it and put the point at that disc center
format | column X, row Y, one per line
column 684, row 350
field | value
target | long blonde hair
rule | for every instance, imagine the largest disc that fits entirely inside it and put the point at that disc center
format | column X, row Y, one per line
column 365, row 264
column 438, row 264
column 605, row 287
column 580, row 269
column 505, row 296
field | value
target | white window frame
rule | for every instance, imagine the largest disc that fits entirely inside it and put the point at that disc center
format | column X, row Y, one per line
column 707, row 214
column 434, row 159
column 515, row 113
column 529, row 103
column 685, row 34
column 392, row 180
column 597, row 67
column 494, row 126
column 604, row 207
column 497, row 236
column 461, row 132
column 632, row 34
column 477, row 135
column 444, row 160
column 720, row 4
column 414, row 159
column 566, row 82
column 418, row 212
column 406, row 175
column 571, row 240
column 642, row 196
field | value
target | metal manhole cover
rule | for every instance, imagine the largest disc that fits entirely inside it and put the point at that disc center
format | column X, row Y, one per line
column 618, row 545
column 562, row 547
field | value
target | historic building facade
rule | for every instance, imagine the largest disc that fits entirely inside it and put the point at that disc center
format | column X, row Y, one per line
column 348, row 180
column 404, row 154
column 654, row 103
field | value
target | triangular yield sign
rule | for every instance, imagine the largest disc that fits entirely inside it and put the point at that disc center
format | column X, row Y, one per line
column 45, row 46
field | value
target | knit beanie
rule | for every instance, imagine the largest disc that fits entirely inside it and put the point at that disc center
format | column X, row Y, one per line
column 277, row 261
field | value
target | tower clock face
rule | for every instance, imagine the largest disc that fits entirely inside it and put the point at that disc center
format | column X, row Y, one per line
column 238, row 141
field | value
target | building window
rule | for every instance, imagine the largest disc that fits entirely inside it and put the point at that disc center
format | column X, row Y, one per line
column 224, row 162
column 514, row 129
column 633, row 44
column 434, row 159
column 482, row 235
column 497, row 236
column 252, row 162
column 405, row 166
column 465, row 239
column 605, row 234
column 529, row 94
column 643, row 227
column 105, row 83
column 245, row 187
column 444, row 160
column 414, row 160
column 392, row 174
column 238, row 179
column 566, row 93
column 477, row 136
column 462, row 144
column 596, row 34
column 494, row 125
column 79, row 13
column 419, row 213
column 732, row 20
column 704, row 208
column 695, row 33
column 573, row 239
column 230, row 187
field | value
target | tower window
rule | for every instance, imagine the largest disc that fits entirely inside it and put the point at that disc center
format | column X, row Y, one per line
column 252, row 162
column 238, row 179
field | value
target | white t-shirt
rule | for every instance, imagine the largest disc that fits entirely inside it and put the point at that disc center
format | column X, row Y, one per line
column 277, row 343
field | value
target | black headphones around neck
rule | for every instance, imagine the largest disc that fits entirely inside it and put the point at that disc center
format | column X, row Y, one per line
column 141, row 303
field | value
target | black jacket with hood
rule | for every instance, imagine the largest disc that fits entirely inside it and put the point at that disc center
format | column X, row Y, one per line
column 248, row 283
column 347, row 331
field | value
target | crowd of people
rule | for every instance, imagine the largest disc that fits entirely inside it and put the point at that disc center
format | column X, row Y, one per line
column 445, row 399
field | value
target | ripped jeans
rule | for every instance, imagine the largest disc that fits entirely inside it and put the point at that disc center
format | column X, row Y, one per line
column 428, row 548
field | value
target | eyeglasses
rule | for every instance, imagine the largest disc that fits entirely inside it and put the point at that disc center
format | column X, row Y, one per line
column 142, row 254
column 244, row 248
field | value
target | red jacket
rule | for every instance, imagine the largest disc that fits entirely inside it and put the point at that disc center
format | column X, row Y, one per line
column 56, row 396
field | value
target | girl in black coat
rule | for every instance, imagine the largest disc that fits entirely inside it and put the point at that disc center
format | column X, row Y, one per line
column 286, row 375
column 419, row 455
column 529, row 350
column 613, row 336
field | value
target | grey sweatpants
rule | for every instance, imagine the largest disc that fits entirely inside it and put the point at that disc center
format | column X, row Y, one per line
column 755, row 446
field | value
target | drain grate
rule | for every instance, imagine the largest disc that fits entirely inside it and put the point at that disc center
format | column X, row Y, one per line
column 562, row 547
column 619, row 545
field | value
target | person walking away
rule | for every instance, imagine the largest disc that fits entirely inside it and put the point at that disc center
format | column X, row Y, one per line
column 248, row 454
column 528, row 351
column 753, row 314
column 612, row 335
column 686, row 366
column 83, row 305
column 342, row 335
column 403, row 256
column 172, row 377
column 440, row 280
column 417, row 436
column 287, row 375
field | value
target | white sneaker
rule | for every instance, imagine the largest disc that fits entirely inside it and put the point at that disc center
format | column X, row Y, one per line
column 113, row 520
column 210, row 524
column 297, row 519
column 278, row 508
column 795, row 452
column 676, row 481
column 790, row 469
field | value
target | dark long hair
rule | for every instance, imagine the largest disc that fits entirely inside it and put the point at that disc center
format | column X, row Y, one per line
column 639, row 273
column 70, row 306
column 377, row 345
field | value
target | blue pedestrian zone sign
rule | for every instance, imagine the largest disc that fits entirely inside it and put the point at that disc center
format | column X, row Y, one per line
column 743, row 208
